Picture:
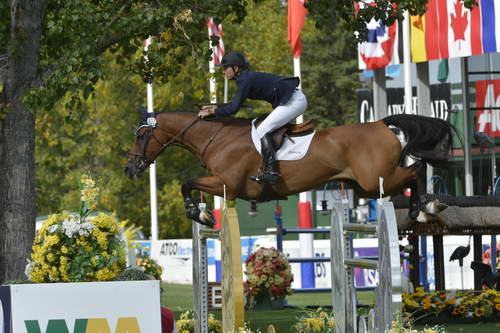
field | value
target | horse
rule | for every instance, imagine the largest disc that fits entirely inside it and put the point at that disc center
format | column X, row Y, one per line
column 357, row 154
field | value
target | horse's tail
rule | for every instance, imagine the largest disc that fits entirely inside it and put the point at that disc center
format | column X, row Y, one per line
column 429, row 139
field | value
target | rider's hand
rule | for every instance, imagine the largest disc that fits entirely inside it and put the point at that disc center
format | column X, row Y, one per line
column 206, row 111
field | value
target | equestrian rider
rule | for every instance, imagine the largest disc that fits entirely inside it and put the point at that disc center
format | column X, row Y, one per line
column 282, row 93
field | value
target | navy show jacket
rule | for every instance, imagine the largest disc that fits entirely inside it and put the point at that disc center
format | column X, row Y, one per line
column 274, row 89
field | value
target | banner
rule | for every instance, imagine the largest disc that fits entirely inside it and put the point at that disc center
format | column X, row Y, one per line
column 86, row 307
column 440, row 102
column 488, row 95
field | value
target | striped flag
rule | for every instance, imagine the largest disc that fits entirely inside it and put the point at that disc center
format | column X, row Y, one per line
column 382, row 47
column 449, row 30
column 216, row 31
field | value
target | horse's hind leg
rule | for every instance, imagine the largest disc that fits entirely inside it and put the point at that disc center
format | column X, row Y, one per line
column 418, row 188
column 212, row 185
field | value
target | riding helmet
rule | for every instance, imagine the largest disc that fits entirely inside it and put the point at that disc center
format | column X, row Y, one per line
column 234, row 58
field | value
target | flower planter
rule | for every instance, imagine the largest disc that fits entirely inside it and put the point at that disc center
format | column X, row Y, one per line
column 266, row 303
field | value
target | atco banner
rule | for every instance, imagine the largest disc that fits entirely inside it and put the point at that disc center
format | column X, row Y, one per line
column 440, row 102
column 488, row 95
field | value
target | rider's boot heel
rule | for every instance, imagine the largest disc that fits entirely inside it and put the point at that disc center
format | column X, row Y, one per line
column 271, row 171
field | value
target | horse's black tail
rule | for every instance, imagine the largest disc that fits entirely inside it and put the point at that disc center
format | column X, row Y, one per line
column 429, row 139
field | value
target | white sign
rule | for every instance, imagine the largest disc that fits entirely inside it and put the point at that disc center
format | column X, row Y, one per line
column 92, row 307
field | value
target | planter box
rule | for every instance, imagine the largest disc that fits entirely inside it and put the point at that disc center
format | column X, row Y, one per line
column 115, row 307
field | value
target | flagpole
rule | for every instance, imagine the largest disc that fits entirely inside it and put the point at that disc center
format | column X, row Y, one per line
column 407, row 64
column 152, row 166
column 306, row 240
column 213, row 99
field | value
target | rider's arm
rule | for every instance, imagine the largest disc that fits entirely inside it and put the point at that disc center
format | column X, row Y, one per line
column 226, row 110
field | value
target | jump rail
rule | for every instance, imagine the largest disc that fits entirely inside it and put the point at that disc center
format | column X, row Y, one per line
column 388, row 291
column 232, row 273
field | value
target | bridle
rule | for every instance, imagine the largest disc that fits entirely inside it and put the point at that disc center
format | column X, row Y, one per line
column 150, row 125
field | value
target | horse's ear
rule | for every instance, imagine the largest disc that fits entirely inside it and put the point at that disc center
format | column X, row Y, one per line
column 142, row 110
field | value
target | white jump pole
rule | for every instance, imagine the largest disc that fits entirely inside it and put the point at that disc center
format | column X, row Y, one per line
column 152, row 167
column 305, row 216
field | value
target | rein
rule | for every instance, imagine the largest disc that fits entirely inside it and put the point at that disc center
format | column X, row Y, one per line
column 150, row 127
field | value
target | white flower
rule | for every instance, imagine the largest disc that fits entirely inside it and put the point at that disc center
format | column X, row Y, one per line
column 53, row 228
column 28, row 269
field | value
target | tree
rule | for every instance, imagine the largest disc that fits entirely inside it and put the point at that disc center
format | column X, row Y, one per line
column 51, row 48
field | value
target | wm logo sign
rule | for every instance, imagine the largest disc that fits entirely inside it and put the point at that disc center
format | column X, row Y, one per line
column 94, row 325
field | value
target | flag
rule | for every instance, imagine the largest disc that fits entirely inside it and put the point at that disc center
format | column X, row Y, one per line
column 216, row 31
column 382, row 47
column 296, row 16
column 488, row 95
column 449, row 30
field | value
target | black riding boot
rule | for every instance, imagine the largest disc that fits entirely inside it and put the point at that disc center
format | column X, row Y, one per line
column 271, row 173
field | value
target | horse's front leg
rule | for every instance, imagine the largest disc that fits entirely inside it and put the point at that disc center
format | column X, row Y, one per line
column 212, row 185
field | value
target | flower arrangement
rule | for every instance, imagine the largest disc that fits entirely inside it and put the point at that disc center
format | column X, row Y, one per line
column 464, row 304
column 268, row 273
column 318, row 321
column 78, row 247
column 405, row 325
column 149, row 265
column 186, row 323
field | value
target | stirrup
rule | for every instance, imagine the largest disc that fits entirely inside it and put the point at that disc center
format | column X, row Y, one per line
column 270, row 178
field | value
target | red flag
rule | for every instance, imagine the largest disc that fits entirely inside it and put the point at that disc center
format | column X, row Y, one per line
column 216, row 30
column 296, row 16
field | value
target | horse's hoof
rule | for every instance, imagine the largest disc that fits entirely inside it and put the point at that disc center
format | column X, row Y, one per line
column 434, row 206
column 207, row 218
column 412, row 214
column 204, row 217
column 422, row 217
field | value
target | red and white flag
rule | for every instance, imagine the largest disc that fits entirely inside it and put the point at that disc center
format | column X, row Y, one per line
column 216, row 31
column 488, row 95
column 296, row 16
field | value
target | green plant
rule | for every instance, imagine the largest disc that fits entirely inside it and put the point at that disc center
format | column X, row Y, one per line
column 268, row 273
column 318, row 321
column 78, row 247
column 186, row 323
column 462, row 304
column 149, row 265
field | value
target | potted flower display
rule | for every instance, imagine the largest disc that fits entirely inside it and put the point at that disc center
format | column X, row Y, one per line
column 460, row 306
column 269, row 279
column 79, row 247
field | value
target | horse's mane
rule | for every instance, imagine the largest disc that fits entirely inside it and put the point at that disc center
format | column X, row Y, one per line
column 223, row 120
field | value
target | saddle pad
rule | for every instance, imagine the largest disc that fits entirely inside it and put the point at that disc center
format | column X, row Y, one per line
column 289, row 151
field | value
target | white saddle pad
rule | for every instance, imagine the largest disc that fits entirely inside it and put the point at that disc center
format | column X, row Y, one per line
column 290, row 150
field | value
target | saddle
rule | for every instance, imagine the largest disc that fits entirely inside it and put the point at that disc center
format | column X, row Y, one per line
column 289, row 130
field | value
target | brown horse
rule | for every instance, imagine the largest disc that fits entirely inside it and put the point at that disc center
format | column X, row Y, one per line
column 357, row 153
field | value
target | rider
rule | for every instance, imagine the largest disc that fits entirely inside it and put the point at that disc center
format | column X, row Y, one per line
column 283, row 93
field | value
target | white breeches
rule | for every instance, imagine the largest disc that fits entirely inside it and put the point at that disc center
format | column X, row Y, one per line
column 283, row 114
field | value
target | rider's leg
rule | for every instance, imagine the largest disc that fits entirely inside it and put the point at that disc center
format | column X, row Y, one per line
column 277, row 118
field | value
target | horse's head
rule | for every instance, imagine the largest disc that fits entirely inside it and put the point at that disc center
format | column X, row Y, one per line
column 146, row 148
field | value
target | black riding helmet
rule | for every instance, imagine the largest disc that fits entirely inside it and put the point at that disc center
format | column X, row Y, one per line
column 234, row 58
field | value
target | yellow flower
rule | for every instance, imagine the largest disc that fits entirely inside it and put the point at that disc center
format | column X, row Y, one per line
column 479, row 311
column 497, row 306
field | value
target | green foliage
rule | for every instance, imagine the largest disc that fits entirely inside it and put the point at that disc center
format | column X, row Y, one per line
column 76, row 33
column 325, row 12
